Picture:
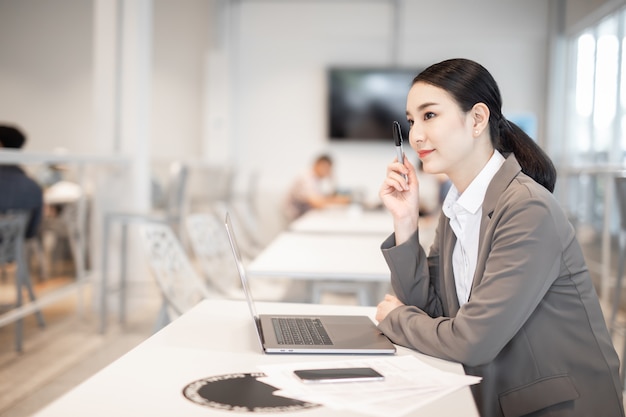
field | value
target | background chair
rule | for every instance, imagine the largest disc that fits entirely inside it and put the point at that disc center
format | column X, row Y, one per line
column 12, row 250
column 213, row 255
column 172, row 215
column 180, row 286
column 209, row 243
column 65, row 230
column 248, row 236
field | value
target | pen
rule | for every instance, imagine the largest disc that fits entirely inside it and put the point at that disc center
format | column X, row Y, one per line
column 397, row 136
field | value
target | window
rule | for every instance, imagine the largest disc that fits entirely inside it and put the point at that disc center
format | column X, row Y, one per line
column 595, row 122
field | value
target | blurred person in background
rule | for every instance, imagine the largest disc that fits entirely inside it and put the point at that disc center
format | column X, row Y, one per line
column 18, row 191
column 314, row 189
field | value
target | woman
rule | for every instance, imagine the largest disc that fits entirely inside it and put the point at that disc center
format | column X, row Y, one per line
column 504, row 289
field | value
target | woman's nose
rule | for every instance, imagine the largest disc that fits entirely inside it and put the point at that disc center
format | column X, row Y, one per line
column 416, row 135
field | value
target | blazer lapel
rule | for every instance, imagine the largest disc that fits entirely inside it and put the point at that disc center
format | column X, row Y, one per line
column 507, row 173
column 447, row 247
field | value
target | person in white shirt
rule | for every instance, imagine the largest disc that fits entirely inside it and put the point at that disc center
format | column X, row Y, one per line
column 314, row 189
column 504, row 289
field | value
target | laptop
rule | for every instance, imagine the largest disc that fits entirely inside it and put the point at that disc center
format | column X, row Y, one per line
column 310, row 334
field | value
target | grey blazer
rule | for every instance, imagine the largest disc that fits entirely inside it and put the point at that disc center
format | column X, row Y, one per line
column 532, row 328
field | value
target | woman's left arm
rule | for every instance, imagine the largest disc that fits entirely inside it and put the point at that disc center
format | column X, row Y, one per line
column 519, row 260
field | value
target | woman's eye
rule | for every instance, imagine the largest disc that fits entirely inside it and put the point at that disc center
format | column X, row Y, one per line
column 429, row 115
column 410, row 122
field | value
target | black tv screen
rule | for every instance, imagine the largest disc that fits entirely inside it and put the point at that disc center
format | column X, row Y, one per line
column 364, row 102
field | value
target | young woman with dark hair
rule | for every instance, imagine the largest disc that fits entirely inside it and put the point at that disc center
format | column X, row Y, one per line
column 471, row 83
column 504, row 289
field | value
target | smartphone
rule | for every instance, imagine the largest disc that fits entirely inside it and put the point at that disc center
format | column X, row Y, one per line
column 397, row 137
column 338, row 375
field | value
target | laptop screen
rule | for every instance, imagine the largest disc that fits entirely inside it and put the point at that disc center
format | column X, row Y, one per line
column 240, row 268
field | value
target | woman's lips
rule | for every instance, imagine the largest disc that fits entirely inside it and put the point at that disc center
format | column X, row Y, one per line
column 424, row 153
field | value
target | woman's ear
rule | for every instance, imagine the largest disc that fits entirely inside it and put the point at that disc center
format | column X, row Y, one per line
column 480, row 116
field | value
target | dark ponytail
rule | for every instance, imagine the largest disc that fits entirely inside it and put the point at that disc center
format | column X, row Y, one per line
column 469, row 83
column 533, row 160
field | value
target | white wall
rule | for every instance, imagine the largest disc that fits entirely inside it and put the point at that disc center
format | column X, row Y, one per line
column 181, row 37
column 583, row 13
column 283, row 48
column 278, row 52
column 45, row 71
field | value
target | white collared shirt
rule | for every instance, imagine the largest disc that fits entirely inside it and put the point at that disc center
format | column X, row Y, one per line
column 465, row 212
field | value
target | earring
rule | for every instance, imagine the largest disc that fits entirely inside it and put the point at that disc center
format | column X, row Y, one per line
column 475, row 132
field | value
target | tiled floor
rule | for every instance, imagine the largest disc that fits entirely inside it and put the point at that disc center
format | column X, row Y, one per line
column 62, row 355
column 70, row 349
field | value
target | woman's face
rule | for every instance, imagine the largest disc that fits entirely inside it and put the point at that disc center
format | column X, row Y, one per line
column 440, row 132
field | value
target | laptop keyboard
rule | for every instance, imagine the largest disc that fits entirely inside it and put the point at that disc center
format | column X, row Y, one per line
column 300, row 331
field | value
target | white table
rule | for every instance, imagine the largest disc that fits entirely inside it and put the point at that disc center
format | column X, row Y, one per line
column 353, row 220
column 323, row 256
column 148, row 380
column 344, row 220
column 331, row 262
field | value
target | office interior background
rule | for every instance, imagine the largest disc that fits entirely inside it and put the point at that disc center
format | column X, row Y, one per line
column 242, row 84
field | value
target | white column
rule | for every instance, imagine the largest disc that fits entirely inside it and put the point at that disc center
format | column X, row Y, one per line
column 122, row 83
column 217, row 145
column 136, row 70
column 122, row 101
column 105, row 49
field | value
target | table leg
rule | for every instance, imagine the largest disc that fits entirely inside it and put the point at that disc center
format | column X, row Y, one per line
column 123, row 262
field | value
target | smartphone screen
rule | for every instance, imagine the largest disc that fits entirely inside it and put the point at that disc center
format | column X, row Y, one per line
column 339, row 375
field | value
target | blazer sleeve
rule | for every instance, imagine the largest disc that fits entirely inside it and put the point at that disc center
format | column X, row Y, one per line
column 411, row 271
column 523, row 259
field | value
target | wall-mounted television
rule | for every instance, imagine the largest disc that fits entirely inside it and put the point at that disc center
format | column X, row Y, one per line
column 364, row 102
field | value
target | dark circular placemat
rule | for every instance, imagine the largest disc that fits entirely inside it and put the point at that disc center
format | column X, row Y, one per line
column 241, row 393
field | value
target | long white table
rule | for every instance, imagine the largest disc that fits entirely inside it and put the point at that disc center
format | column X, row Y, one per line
column 323, row 256
column 214, row 339
column 353, row 220
column 330, row 262
column 344, row 220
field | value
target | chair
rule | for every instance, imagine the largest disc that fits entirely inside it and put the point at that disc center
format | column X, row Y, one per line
column 172, row 216
column 209, row 243
column 249, row 239
column 180, row 286
column 67, row 226
column 12, row 250
column 211, row 249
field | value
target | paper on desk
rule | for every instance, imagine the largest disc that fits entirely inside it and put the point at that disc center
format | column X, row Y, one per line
column 409, row 384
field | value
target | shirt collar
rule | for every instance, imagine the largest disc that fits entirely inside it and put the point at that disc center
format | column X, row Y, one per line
column 472, row 199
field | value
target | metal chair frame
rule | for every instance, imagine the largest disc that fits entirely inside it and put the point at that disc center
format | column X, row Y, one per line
column 13, row 250
column 180, row 286
column 209, row 243
column 173, row 216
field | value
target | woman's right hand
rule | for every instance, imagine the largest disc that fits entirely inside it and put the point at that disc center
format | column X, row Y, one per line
column 401, row 198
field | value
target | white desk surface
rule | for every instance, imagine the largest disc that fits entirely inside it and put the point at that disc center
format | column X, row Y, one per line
column 344, row 220
column 350, row 220
column 323, row 256
column 148, row 380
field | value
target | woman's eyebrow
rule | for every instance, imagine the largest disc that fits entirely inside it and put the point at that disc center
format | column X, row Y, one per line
column 424, row 105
